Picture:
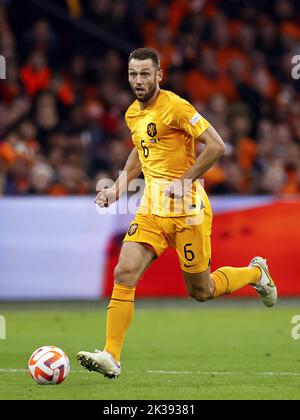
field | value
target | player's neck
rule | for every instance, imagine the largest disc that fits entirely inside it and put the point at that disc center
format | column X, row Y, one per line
column 144, row 105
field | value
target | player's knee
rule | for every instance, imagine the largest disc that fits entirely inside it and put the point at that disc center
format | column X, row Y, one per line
column 126, row 274
column 201, row 295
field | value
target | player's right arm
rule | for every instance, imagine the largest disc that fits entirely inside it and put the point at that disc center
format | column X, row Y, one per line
column 131, row 171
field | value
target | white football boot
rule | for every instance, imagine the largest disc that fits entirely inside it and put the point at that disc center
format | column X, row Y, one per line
column 266, row 287
column 100, row 361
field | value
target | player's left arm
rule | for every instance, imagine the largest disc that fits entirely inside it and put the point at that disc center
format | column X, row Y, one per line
column 214, row 149
column 187, row 119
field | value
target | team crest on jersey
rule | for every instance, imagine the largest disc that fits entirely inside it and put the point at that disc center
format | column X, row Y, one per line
column 132, row 229
column 151, row 130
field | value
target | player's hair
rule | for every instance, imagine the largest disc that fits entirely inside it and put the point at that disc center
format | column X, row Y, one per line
column 144, row 54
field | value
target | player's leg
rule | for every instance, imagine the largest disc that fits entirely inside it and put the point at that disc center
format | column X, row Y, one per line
column 194, row 249
column 142, row 244
column 200, row 286
column 134, row 259
column 226, row 280
column 230, row 279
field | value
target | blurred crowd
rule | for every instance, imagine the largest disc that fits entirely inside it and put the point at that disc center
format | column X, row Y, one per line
column 62, row 104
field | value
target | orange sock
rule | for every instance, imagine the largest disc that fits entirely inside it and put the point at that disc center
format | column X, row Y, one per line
column 229, row 279
column 119, row 316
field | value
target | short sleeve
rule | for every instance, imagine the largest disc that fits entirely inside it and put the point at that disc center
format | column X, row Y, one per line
column 189, row 120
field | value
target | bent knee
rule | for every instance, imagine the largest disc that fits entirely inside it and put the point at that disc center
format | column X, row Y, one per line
column 126, row 274
column 201, row 295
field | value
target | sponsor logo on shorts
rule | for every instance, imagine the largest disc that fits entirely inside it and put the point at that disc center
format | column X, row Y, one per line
column 132, row 229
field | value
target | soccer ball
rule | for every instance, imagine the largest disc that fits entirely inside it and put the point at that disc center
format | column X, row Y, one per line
column 49, row 365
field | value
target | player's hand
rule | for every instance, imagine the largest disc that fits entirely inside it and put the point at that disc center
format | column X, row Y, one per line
column 106, row 197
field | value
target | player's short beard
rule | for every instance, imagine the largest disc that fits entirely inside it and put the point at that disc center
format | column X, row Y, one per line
column 148, row 95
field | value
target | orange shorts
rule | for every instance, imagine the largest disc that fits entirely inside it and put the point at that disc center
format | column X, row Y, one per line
column 189, row 235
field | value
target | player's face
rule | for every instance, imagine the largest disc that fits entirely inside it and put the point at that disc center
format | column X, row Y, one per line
column 144, row 78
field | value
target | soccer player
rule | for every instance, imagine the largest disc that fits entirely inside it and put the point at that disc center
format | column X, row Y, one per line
column 164, row 129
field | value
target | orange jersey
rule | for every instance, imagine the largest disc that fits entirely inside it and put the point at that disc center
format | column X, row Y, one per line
column 164, row 134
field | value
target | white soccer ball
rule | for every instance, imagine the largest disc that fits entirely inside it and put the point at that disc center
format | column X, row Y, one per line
column 49, row 365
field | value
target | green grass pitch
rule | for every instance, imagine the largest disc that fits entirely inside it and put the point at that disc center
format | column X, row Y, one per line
column 172, row 352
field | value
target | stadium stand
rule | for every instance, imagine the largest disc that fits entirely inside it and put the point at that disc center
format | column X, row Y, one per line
column 63, row 102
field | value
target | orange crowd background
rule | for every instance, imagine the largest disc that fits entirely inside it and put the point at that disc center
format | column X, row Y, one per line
column 63, row 101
